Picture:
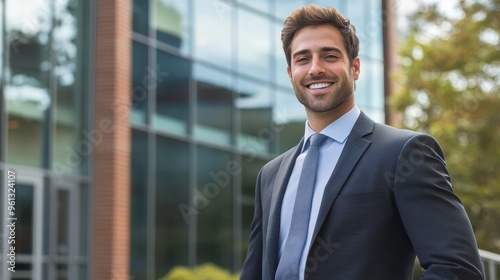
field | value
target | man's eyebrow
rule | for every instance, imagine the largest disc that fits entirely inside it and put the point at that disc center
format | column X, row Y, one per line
column 330, row 49
column 322, row 49
column 301, row 52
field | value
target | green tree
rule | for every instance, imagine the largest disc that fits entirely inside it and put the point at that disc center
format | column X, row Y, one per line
column 450, row 88
column 206, row 271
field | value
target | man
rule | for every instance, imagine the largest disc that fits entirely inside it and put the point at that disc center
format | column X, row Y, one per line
column 378, row 197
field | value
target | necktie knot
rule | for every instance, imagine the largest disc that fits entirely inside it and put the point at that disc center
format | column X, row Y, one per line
column 317, row 139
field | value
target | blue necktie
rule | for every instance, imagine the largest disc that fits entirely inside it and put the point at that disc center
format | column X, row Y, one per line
column 288, row 267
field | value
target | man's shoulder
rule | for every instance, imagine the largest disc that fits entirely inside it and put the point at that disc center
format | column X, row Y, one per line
column 389, row 137
column 394, row 132
column 366, row 127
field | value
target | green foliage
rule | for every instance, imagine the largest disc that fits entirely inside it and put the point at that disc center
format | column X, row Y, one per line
column 450, row 88
column 203, row 272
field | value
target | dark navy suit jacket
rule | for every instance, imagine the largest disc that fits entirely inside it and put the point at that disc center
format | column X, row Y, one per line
column 388, row 200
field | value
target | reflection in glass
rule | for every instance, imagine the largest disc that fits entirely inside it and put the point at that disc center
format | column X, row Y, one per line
column 251, row 167
column 69, row 116
column 262, row 5
column 62, row 222
column 279, row 57
column 172, row 92
column 82, row 272
column 214, row 105
column 284, row 7
column 254, row 104
column 24, row 214
column 212, row 32
column 139, row 202
column 27, row 91
column 254, row 45
column 368, row 22
column 143, row 81
column 289, row 115
column 214, row 196
column 84, row 220
column 140, row 21
column 370, row 89
column 339, row 4
column 360, row 18
column 374, row 31
column 61, row 272
column 172, row 23
column 3, row 194
column 172, row 193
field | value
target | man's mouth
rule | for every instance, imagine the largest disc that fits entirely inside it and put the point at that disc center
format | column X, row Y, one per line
column 319, row 85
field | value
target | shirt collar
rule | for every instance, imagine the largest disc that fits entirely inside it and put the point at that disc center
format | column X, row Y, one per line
column 337, row 130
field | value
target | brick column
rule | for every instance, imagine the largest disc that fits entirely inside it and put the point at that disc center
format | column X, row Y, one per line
column 111, row 186
column 391, row 66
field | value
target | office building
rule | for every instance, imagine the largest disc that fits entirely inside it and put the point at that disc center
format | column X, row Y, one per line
column 135, row 129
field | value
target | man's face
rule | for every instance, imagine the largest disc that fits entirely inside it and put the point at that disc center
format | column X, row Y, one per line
column 320, row 72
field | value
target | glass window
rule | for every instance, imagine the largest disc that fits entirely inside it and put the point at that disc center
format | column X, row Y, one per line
column 172, row 93
column 214, row 105
column 212, row 29
column 139, row 202
column 27, row 87
column 172, row 23
column 290, row 117
column 62, row 271
column 254, row 104
column 84, row 220
column 358, row 14
column 143, row 81
column 251, row 167
column 370, row 89
column 284, row 7
column 339, row 4
column 172, row 194
column 70, row 88
column 279, row 57
column 373, row 32
column 82, row 272
column 213, row 199
column 375, row 114
column 363, row 90
column 378, row 85
column 262, row 5
column 62, row 222
column 140, row 19
column 24, row 215
column 254, row 45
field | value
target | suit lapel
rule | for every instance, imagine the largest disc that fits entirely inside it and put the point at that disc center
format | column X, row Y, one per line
column 354, row 148
column 280, row 184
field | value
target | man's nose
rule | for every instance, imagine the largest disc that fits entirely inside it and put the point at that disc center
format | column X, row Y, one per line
column 317, row 67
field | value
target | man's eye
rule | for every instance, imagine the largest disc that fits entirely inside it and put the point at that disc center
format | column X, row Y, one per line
column 302, row 59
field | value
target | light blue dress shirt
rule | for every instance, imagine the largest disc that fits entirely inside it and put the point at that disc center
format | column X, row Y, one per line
column 330, row 152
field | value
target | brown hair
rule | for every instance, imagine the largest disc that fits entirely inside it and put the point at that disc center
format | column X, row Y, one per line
column 313, row 14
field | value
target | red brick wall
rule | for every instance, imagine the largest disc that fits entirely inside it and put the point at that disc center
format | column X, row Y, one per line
column 111, row 186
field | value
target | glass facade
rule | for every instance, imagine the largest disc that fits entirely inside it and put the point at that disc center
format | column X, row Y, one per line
column 212, row 103
column 43, row 137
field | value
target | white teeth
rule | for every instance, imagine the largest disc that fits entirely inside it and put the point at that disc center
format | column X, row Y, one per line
column 320, row 85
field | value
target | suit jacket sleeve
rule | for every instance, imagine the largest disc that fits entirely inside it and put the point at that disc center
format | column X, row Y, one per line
column 433, row 215
column 252, row 267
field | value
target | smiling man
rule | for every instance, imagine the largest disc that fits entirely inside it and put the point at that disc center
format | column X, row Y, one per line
column 354, row 199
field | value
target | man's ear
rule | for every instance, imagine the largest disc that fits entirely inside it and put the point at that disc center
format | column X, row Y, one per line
column 356, row 67
column 289, row 72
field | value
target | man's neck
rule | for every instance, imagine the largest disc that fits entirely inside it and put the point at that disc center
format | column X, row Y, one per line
column 318, row 121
